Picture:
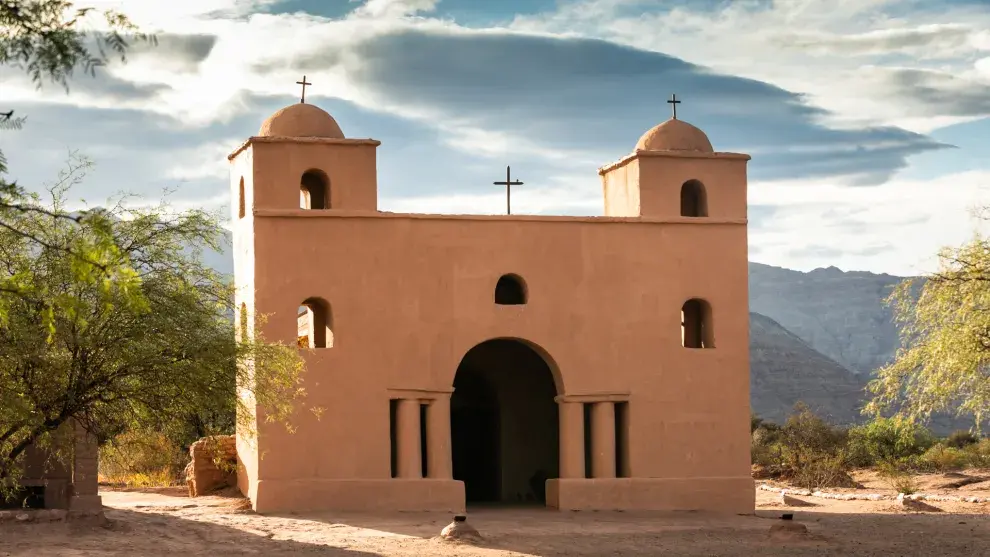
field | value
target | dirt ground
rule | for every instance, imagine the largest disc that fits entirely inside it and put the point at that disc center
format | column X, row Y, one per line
column 166, row 521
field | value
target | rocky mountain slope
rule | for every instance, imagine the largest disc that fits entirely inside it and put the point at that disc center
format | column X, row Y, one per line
column 840, row 314
column 784, row 369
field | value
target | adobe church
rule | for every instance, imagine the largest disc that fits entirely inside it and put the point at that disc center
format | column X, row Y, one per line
column 575, row 362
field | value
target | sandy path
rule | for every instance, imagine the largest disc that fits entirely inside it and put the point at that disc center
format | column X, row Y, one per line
column 153, row 524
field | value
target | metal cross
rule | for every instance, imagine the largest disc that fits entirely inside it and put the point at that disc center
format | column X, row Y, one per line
column 673, row 102
column 304, row 83
column 508, row 183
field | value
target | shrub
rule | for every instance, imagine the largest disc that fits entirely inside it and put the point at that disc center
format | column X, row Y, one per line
column 898, row 477
column 978, row 454
column 887, row 440
column 142, row 459
column 812, row 452
column 942, row 458
column 820, row 470
column 961, row 438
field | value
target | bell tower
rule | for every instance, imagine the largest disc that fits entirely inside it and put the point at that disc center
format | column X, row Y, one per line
column 674, row 172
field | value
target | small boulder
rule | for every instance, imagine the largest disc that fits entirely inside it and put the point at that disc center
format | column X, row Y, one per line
column 913, row 504
column 789, row 501
column 460, row 531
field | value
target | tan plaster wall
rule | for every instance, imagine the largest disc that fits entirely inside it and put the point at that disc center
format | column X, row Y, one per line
column 350, row 165
column 241, row 168
column 411, row 295
column 621, row 190
column 724, row 180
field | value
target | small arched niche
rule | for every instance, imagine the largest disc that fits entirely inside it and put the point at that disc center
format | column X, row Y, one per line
column 314, row 190
column 314, row 324
column 697, row 330
column 240, row 200
column 694, row 199
column 510, row 290
column 242, row 323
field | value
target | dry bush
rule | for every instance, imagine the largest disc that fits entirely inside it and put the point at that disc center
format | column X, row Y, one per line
column 978, row 454
column 942, row 458
column 806, row 450
column 898, row 477
column 961, row 439
column 142, row 459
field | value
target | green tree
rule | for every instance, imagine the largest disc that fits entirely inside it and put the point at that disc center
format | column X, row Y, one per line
column 125, row 355
column 47, row 40
column 943, row 365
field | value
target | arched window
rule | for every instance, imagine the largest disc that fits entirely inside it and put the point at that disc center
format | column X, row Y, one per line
column 314, row 324
column 694, row 201
column 696, row 324
column 510, row 290
column 240, row 199
column 314, row 190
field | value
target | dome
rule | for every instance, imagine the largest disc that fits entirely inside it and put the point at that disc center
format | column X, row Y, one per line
column 675, row 135
column 301, row 120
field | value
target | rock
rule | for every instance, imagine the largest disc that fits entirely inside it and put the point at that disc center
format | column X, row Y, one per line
column 789, row 501
column 460, row 531
column 913, row 503
column 23, row 517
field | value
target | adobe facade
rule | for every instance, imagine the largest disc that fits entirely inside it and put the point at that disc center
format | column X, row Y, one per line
column 577, row 362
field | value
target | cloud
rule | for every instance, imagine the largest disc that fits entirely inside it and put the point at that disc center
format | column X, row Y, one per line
column 897, row 227
column 393, row 8
column 808, row 46
column 933, row 92
column 176, row 53
column 580, row 96
column 555, row 95
column 924, row 41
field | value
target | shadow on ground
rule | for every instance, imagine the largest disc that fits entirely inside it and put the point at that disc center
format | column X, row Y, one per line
column 152, row 524
column 549, row 533
column 137, row 534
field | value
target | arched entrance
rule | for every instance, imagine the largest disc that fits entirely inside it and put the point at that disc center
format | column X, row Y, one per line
column 504, row 428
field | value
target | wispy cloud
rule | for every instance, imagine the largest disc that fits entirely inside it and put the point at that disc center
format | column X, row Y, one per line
column 825, row 95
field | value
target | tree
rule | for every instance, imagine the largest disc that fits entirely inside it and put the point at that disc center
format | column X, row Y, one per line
column 943, row 365
column 46, row 39
column 121, row 355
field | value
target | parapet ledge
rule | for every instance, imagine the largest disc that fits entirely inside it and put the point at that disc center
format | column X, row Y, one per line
column 365, row 214
column 317, row 140
column 672, row 154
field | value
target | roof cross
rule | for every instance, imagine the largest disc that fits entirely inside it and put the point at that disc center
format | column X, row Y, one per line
column 304, row 83
column 508, row 183
column 673, row 102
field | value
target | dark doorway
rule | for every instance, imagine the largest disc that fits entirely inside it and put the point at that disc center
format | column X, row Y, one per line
column 504, row 429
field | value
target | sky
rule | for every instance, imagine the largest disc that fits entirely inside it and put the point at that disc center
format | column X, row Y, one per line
column 868, row 120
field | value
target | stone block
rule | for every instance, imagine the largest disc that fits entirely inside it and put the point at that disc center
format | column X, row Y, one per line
column 203, row 474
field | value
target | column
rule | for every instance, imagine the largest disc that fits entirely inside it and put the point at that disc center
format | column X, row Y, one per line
column 603, row 440
column 438, row 461
column 85, row 467
column 410, row 464
column 571, row 416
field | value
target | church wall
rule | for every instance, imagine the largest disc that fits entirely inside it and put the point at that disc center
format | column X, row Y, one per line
column 410, row 295
column 621, row 191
